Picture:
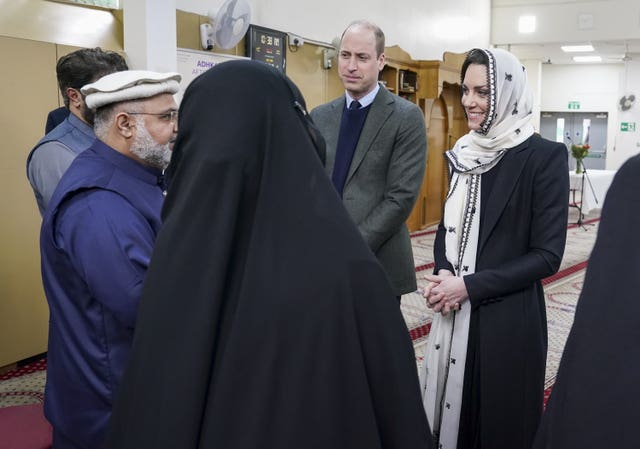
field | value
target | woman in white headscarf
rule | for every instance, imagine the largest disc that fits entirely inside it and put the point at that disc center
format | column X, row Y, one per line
column 504, row 229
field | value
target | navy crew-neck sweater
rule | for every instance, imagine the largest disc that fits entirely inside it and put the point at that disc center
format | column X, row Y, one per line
column 350, row 128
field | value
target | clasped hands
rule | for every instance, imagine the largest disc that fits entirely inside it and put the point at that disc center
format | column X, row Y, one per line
column 445, row 292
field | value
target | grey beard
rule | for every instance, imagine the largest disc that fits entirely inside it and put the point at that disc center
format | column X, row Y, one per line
column 148, row 150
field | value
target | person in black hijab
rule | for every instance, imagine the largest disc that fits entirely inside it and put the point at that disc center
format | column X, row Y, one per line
column 594, row 402
column 266, row 322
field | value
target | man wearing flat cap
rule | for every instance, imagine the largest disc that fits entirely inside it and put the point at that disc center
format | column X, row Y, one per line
column 96, row 241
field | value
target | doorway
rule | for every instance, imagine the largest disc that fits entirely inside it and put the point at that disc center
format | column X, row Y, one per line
column 574, row 127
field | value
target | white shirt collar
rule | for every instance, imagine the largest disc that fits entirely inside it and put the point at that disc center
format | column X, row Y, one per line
column 366, row 100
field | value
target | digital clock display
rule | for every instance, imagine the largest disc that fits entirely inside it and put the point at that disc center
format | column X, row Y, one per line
column 267, row 45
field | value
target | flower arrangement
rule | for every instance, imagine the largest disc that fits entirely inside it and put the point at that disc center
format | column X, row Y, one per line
column 579, row 152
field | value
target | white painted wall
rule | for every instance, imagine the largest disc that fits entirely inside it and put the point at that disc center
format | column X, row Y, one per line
column 628, row 143
column 594, row 86
column 534, row 80
column 423, row 28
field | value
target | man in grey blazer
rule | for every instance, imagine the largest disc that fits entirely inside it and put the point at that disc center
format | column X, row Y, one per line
column 376, row 152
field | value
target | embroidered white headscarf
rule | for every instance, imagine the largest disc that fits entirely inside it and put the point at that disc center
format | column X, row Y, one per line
column 506, row 125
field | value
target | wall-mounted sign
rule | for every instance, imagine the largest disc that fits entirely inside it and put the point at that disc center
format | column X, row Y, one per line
column 628, row 127
column 192, row 63
column 266, row 45
column 573, row 105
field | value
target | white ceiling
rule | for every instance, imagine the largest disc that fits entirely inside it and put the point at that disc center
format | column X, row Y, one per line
column 612, row 52
column 612, row 27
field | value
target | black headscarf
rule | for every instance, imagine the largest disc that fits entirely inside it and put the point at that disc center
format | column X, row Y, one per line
column 265, row 322
column 595, row 402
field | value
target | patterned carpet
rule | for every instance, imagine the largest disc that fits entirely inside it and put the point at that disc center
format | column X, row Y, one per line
column 23, row 386
column 26, row 385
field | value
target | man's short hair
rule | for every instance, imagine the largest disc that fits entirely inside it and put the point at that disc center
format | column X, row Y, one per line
column 377, row 32
column 85, row 66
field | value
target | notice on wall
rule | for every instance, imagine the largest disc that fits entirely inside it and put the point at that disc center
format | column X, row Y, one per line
column 192, row 63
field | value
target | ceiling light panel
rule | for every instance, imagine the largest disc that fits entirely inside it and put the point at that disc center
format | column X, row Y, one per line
column 587, row 59
column 576, row 48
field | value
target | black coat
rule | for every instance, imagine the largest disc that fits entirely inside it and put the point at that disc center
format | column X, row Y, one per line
column 595, row 402
column 522, row 238
column 266, row 322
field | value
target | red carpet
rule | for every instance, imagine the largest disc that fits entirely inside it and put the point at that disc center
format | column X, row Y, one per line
column 22, row 421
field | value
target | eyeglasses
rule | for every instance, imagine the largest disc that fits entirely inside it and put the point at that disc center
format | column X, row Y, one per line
column 169, row 116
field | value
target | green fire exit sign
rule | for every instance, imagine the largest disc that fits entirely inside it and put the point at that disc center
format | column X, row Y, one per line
column 573, row 105
column 628, row 126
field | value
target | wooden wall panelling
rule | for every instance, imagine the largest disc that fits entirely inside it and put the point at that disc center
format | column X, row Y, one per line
column 389, row 78
column 418, row 218
column 29, row 92
column 399, row 73
column 430, row 71
column 457, row 119
column 317, row 84
column 61, row 23
column 445, row 124
column 334, row 84
column 403, row 76
column 188, row 34
column 188, row 30
column 437, row 92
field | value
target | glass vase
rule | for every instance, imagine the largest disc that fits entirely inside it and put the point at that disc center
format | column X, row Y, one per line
column 579, row 166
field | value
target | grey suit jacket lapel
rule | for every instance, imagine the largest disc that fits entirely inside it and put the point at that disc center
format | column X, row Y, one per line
column 510, row 170
column 333, row 124
column 381, row 109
